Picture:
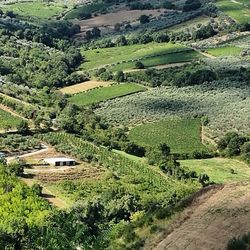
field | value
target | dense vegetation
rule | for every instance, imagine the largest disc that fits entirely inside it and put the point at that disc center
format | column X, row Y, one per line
column 184, row 65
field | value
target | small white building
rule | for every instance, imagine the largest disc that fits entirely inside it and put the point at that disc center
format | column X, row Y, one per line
column 60, row 161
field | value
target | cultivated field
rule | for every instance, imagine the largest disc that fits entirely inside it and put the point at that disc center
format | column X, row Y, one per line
column 8, row 121
column 128, row 54
column 220, row 170
column 162, row 60
column 103, row 94
column 226, row 103
column 238, row 9
column 183, row 136
column 37, row 9
column 85, row 86
column 107, row 21
column 225, row 51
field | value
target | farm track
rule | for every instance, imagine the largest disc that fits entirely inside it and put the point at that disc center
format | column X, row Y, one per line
column 210, row 221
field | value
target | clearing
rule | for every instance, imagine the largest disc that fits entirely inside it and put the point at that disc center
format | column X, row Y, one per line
column 103, row 94
column 182, row 136
column 238, row 10
column 220, row 170
column 37, row 9
column 210, row 222
column 85, row 86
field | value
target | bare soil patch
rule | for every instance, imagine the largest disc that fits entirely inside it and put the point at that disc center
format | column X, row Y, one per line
column 85, row 86
column 121, row 16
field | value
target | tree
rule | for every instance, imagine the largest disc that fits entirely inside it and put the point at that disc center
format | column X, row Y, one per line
column 139, row 65
column 119, row 76
column 203, row 179
column 191, row 5
column 117, row 27
column 144, row 19
column 37, row 189
column 23, row 127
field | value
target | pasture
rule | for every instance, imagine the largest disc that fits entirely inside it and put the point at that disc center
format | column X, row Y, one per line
column 97, row 58
column 37, row 9
column 85, row 86
column 225, row 51
column 239, row 10
column 103, row 94
column 8, row 121
column 181, row 135
column 220, row 170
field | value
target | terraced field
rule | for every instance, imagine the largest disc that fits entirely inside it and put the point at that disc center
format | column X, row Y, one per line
column 225, row 51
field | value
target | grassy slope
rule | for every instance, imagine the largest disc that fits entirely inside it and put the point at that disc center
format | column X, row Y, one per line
column 218, row 169
column 8, row 120
column 225, row 51
column 238, row 10
column 103, row 94
column 183, row 136
column 34, row 9
column 101, row 57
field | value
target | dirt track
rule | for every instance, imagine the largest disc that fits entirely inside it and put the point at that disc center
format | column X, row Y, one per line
column 211, row 222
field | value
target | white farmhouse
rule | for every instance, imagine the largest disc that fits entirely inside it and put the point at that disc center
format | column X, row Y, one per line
column 60, row 161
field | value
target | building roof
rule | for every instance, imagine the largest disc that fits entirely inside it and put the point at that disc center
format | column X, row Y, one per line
column 58, row 159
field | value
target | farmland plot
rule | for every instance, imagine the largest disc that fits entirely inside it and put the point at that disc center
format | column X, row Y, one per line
column 103, row 94
column 182, row 136
column 238, row 10
column 37, row 9
column 225, row 102
column 7, row 120
column 97, row 58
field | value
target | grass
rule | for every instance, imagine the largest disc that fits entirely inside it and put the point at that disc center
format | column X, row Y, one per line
column 129, row 156
column 34, row 9
column 85, row 86
column 103, row 94
column 97, row 58
column 184, row 56
column 8, row 121
column 181, row 135
column 189, row 24
column 75, row 12
column 238, row 10
column 225, row 51
column 219, row 169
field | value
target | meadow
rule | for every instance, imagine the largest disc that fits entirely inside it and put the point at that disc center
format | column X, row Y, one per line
column 238, row 10
column 97, row 58
column 7, row 120
column 182, row 135
column 225, row 102
column 220, row 170
column 225, row 51
column 103, row 94
column 37, row 9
